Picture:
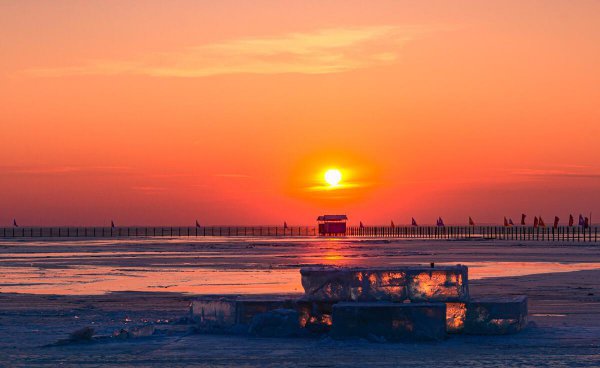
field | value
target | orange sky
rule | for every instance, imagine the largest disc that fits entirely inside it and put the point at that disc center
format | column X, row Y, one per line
column 230, row 111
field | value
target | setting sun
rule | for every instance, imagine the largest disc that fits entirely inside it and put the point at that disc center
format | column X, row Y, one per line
column 333, row 177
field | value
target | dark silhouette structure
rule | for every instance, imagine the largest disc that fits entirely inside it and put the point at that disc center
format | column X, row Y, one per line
column 332, row 225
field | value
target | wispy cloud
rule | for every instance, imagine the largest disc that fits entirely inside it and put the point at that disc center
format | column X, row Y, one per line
column 58, row 170
column 557, row 173
column 339, row 187
column 149, row 189
column 239, row 176
column 331, row 50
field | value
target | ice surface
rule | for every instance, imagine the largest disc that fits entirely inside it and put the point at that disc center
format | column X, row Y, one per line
column 385, row 321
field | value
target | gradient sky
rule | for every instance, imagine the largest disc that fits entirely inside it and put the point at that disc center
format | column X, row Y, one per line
column 229, row 112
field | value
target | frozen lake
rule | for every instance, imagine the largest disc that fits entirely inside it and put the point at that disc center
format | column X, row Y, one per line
column 51, row 288
column 252, row 266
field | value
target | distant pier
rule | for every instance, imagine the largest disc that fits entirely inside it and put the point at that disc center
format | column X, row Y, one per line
column 524, row 233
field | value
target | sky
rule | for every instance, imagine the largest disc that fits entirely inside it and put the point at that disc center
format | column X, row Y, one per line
column 230, row 112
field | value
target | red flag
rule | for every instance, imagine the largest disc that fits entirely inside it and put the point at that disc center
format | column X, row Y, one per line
column 197, row 223
column 285, row 225
column 556, row 220
column 392, row 223
column 571, row 220
column 471, row 222
column 414, row 222
column 586, row 223
column 505, row 222
column 361, row 225
column 535, row 221
column 523, row 219
column 510, row 222
column 541, row 223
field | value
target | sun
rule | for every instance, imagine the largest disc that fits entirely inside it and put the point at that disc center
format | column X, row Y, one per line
column 333, row 177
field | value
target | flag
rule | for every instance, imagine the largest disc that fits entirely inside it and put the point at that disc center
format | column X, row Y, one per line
column 197, row 224
column 535, row 221
column 523, row 219
column 586, row 223
column 285, row 225
column 505, row 222
column 440, row 222
column 556, row 220
column 361, row 225
column 581, row 220
column 414, row 223
column 571, row 220
column 541, row 223
column 15, row 223
column 510, row 222
column 112, row 224
column 393, row 226
column 471, row 222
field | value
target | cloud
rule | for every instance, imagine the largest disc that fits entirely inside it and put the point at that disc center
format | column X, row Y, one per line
column 342, row 186
column 148, row 189
column 58, row 170
column 238, row 176
column 332, row 50
column 557, row 173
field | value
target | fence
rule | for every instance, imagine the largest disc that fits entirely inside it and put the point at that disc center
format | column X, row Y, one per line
column 139, row 231
column 561, row 233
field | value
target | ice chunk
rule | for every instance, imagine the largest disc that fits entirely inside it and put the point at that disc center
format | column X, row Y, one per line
column 224, row 313
column 385, row 321
column 134, row 332
column 83, row 334
column 418, row 283
column 275, row 323
column 438, row 284
column 315, row 316
column 353, row 284
column 246, row 309
column 212, row 312
column 455, row 317
column 496, row 315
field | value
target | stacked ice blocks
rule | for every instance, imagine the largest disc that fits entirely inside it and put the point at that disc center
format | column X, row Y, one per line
column 407, row 291
column 391, row 304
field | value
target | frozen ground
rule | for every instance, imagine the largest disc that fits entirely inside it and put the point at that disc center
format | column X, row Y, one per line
column 49, row 289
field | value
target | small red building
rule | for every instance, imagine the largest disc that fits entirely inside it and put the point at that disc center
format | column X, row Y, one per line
column 332, row 225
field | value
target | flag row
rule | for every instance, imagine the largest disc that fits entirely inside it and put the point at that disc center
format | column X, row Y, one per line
column 538, row 221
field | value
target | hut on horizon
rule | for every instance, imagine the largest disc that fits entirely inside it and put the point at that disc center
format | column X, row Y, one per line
column 332, row 225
